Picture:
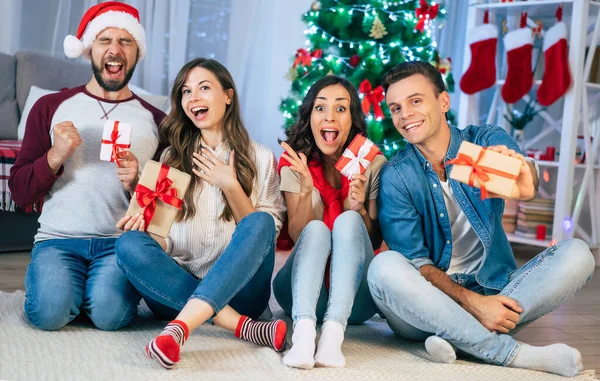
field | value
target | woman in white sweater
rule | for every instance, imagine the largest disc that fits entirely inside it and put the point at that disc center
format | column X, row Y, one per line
column 218, row 259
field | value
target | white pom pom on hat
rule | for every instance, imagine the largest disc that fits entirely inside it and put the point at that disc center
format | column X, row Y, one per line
column 99, row 17
column 73, row 46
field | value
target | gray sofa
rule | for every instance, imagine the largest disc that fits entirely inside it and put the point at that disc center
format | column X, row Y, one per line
column 17, row 74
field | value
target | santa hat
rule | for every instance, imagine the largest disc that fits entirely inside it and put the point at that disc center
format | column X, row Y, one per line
column 111, row 14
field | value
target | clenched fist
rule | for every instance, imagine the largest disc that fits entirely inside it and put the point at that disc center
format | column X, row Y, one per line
column 66, row 140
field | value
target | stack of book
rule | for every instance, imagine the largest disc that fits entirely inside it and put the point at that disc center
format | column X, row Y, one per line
column 535, row 216
column 509, row 218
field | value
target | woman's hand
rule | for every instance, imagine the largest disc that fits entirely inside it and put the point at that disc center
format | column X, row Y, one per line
column 357, row 192
column 135, row 222
column 214, row 171
column 299, row 164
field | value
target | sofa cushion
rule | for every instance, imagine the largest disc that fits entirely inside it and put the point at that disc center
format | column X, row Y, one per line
column 49, row 73
column 8, row 103
column 35, row 93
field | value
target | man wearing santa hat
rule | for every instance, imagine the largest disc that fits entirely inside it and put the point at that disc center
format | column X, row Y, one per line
column 73, row 267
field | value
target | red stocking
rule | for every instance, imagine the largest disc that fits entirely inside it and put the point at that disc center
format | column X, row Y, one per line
column 481, row 73
column 557, row 76
column 519, row 79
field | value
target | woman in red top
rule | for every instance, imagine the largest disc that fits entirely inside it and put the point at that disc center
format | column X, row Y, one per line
column 328, row 216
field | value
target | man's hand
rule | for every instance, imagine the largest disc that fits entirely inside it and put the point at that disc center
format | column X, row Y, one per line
column 526, row 186
column 498, row 313
column 66, row 140
column 128, row 171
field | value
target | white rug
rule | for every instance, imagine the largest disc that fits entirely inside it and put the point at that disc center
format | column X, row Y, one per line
column 79, row 352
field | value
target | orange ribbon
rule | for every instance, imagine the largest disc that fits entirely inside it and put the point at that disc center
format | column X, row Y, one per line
column 147, row 198
column 479, row 171
column 117, row 148
column 305, row 58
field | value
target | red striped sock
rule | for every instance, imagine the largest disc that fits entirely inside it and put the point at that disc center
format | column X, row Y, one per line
column 269, row 334
column 166, row 346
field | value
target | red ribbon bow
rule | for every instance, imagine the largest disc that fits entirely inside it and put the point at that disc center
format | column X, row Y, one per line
column 116, row 147
column 424, row 12
column 305, row 57
column 147, row 198
column 479, row 171
column 371, row 97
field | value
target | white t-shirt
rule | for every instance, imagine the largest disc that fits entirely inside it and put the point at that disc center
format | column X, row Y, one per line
column 467, row 249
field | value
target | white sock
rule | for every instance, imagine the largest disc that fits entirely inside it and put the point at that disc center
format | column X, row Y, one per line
column 440, row 350
column 303, row 345
column 329, row 351
column 559, row 359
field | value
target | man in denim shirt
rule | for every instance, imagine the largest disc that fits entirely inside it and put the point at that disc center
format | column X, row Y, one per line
column 450, row 276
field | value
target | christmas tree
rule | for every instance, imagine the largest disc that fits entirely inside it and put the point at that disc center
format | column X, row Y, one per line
column 361, row 40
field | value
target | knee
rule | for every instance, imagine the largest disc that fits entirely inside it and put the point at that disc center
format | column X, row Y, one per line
column 389, row 269
column 317, row 231
column 50, row 307
column 129, row 249
column 129, row 242
column 50, row 315
column 262, row 221
column 348, row 222
column 112, row 314
column 314, row 241
column 576, row 259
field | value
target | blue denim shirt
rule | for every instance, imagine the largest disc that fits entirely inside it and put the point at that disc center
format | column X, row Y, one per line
column 413, row 216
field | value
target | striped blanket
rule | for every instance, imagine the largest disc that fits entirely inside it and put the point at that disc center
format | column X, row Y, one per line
column 9, row 149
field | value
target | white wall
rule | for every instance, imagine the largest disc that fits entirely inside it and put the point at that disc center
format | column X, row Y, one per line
column 10, row 18
column 263, row 36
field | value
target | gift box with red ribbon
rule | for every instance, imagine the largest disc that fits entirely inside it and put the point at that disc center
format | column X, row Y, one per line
column 488, row 170
column 116, row 139
column 159, row 196
column 357, row 157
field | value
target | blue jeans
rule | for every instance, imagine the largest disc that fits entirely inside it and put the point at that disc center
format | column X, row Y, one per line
column 66, row 275
column 415, row 309
column 240, row 278
column 299, row 287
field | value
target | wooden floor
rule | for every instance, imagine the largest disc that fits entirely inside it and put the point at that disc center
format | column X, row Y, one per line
column 577, row 323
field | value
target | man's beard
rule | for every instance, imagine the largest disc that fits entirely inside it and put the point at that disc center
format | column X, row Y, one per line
column 112, row 84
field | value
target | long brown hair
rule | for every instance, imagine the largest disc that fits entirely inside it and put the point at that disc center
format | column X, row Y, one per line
column 182, row 137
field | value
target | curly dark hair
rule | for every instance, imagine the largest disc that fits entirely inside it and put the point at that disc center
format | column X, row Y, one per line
column 300, row 136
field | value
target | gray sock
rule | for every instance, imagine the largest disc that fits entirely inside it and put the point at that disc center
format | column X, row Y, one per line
column 556, row 358
column 440, row 350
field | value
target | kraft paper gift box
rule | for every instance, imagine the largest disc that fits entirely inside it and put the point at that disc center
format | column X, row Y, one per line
column 116, row 138
column 159, row 196
column 488, row 170
column 357, row 157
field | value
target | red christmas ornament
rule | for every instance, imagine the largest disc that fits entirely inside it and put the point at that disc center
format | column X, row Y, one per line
column 354, row 60
column 305, row 57
column 371, row 97
column 425, row 13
